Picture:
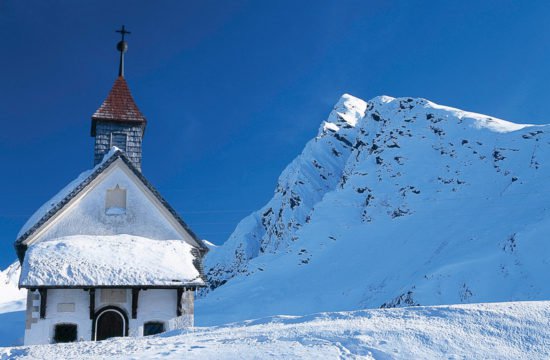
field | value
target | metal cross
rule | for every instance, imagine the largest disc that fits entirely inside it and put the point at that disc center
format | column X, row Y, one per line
column 122, row 46
column 123, row 32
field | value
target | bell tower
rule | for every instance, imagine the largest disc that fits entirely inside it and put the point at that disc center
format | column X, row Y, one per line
column 118, row 121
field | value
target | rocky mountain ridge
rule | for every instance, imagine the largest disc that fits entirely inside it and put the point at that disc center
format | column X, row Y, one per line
column 396, row 201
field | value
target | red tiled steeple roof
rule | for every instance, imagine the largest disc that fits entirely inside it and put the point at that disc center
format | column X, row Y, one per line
column 118, row 106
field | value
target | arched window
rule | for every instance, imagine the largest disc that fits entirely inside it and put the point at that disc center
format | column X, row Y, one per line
column 115, row 201
column 65, row 333
column 153, row 328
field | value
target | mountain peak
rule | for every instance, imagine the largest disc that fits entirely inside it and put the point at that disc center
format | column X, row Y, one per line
column 347, row 112
column 396, row 202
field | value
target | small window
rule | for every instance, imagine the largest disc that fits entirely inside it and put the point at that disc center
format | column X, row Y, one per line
column 153, row 328
column 118, row 140
column 115, row 201
column 65, row 333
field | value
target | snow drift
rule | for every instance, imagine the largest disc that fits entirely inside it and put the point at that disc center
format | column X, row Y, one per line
column 481, row 331
column 395, row 202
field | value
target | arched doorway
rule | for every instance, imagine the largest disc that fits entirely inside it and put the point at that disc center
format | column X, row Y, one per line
column 110, row 322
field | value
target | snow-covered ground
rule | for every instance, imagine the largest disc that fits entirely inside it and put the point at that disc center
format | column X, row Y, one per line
column 480, row 331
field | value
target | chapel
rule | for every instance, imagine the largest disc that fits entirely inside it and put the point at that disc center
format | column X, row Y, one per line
column 108, row 256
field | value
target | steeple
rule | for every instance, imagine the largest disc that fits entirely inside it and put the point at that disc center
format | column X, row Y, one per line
column 118, row 121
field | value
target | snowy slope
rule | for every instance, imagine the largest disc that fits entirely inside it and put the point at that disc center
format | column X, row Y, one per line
column 302, row 185
column 11, row 297
column 404, row 203
column 12, row 303
column 482, row 331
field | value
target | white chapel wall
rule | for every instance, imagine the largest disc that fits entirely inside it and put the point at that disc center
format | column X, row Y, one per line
column 88, row 215
column 155, row 305
column 59, row 304
column 71, row 306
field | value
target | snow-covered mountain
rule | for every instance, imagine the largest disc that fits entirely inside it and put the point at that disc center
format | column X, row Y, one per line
column 11, row 297
column 395, row 202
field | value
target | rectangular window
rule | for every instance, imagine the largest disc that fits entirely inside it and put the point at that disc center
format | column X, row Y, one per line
column 64, row 333
column 119, row 140
column 153, row 328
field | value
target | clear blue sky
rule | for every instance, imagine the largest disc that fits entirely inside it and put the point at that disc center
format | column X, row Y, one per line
column 233, row 89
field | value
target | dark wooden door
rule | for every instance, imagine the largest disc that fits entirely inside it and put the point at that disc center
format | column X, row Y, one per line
column 109, row 324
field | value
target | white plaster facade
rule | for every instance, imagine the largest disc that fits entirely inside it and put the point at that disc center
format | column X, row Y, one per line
column 71, row 306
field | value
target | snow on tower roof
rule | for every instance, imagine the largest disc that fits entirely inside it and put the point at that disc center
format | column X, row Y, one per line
column 115, row 260
column 118, row 106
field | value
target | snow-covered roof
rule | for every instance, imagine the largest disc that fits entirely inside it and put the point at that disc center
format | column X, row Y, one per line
column 61, row 199
column 114, row 260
